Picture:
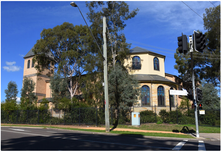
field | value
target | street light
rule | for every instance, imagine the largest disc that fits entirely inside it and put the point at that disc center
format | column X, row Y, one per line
column 75, row 5
column 107, row 124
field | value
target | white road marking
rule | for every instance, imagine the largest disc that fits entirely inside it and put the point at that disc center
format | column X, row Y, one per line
column 89, row 140
column 179, row 145
column 51, row 131
column 201, row 146
column 25, row 133
column 18, row 129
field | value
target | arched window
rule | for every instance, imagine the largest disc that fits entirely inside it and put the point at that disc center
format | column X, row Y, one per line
column 156, row 63
column 136, row 64
column 172, row 104
column 145, row 95
column 33, row 63
column 161, row 96
column 118, row 61
column 28, row 64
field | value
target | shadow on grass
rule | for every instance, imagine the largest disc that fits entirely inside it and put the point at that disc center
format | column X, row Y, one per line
column 185, row 129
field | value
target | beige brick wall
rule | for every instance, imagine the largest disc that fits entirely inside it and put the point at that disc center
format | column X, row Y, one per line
column 48, row 91
column 147, row 66
column 154, row 96
column 30, row 70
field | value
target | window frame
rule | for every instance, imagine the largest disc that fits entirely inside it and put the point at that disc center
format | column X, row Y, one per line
column 33, row 64
column 136, row 67
column 148, row 96
column 161, row 103
column 28, row 64
column 157, row 67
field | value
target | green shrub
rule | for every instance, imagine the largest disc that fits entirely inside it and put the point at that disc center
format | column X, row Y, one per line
column 186, row 120
column 164, row 116
column 159, row 122
column 147, row 117
column 173, row 115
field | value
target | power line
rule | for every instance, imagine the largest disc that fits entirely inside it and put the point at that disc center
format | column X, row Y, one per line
column 150, row 45
column 212, row 3
column 192, row 10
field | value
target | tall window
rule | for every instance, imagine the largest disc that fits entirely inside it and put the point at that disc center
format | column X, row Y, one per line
column 145, row 94
column 33, row 63
column 161, row 96
column 28, row 64
column 136, row 64
column 156, row 63
column 172, row 104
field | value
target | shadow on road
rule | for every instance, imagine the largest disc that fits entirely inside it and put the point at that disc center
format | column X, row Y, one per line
column 68, row 140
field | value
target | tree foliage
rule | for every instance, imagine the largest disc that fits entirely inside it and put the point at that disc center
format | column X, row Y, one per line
column 65, row 47
column 206, row 64
column 210, row 99
column 116, row 14
column 59, row 87
column 28, row 97
column 12, row 91
column 123, row 88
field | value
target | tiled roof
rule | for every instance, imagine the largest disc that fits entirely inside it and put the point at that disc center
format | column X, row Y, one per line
column 150, row 77
column 137, row 50
column 31, row 53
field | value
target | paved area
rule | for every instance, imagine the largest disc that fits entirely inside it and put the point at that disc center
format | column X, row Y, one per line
column 211, row 136
column 208, row 136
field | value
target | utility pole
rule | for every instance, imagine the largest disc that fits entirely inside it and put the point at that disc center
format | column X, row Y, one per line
column 193, row 83
column 106, row 100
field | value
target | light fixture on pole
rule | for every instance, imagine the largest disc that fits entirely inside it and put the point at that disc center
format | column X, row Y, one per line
column 75, row 5
column 106, row 100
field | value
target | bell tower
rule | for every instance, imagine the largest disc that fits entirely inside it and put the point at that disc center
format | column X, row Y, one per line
column 41, row 81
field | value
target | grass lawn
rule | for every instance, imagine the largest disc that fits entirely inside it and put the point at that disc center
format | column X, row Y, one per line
column 114, row 132
column 171, row 127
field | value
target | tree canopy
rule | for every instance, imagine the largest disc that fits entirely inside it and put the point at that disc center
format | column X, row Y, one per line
column 28, row 97
column 206, row 64
column 210, row 99
column 12, row 91
column 116, row 12
column 66, row 48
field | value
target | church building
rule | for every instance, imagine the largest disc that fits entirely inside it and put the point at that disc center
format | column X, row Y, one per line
column 147, row 67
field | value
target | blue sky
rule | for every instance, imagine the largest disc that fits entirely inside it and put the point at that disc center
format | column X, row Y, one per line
column 156, row 28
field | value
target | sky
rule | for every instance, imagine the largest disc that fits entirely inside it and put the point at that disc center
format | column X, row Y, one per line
column 156, row 28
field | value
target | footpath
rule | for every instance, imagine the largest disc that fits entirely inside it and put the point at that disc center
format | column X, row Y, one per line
column 208, row 136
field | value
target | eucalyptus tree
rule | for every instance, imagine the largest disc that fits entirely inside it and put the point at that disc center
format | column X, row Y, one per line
column 116, row 13
column 65, row 48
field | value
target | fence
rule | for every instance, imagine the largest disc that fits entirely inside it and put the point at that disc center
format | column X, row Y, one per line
column 96, row 116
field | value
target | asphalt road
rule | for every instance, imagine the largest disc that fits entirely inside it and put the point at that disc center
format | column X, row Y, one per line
column 15, row 138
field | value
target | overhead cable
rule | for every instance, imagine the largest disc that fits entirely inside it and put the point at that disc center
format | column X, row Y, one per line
column 192, row 10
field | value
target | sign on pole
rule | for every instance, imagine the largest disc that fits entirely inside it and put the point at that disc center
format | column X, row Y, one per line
column 178, row 92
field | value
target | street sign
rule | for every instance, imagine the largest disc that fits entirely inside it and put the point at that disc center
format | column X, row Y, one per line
column 202, row 112
column 178, row 92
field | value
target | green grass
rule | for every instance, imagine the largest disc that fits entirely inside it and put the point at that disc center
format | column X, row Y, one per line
column 171, row 127
column 114, row 132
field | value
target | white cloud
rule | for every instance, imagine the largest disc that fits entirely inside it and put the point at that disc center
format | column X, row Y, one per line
column 18, row 100
column 175, row 14
column 21, row 55
column 10, row 63
column 10, row 66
